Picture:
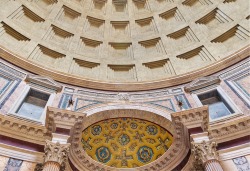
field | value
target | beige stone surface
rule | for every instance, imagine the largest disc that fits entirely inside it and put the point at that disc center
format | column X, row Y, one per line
column 3, row 162
column 138, row 41
column 28, row 166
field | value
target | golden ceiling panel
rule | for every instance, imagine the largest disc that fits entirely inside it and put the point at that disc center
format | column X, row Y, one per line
column 125, row 142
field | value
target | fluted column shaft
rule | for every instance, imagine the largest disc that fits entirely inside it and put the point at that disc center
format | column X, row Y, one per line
column 51, row 166
column 213, row 165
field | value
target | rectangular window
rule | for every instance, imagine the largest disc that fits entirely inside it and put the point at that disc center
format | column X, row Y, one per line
column 218, row 107
column 33, row 104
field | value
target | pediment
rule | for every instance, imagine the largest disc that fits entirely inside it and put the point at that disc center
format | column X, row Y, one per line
column 202, row 83
column 44, row 81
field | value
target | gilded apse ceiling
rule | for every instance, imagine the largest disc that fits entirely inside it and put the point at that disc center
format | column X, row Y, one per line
column 99, row 43
column 125, row 142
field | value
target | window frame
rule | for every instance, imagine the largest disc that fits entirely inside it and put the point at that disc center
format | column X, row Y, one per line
column 226, row 98
column 23, row 95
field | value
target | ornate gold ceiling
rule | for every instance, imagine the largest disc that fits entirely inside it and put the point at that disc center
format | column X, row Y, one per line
column 125, row 142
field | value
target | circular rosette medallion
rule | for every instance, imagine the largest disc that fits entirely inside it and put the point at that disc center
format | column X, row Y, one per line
column 133, row 125
column 151, row 129
column 103, row 154
column 114, row 125
column 96, row 130
column 145, row 154
column 124, row 139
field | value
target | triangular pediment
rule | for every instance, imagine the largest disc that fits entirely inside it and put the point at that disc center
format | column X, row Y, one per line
column 200, row 83
column 44, row 81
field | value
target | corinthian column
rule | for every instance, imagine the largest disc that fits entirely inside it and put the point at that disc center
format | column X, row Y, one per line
column 205, row 152
column 55, row 155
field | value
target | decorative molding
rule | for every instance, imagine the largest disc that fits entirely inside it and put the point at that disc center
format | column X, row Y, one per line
column 43, row 81
column 13, row 164
column 25, row 129
column 123, row 96
column 12, row 71
column 169, row 160
column 202, row 83
column 241, row 163
column 205, row 151
column 64, row 118
column 192, row 118
column 20, row 153
column 234, row 152
column 132, row 86
column 230, row 130
column 56, row 152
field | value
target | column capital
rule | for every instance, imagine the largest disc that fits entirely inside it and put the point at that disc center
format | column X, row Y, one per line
column 205, row 151
column 56, row 152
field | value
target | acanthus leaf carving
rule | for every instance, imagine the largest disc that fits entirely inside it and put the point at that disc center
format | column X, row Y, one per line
column 56, row 152
column 205, row 151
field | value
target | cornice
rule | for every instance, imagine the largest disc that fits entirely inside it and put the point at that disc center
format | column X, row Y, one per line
column 119, row 86
column 230, row 129
column 192, row 118
column 24, row 129
column 20, row 153
column 43, row 81
column 65, row 118
column 201, row 83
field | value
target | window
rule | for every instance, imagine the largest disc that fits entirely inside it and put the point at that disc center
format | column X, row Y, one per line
column 33, row 104
column 218, row 107
column 219, row 103
column 38, row 93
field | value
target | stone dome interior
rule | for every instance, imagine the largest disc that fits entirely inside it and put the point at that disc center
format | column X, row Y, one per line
column 124, row 40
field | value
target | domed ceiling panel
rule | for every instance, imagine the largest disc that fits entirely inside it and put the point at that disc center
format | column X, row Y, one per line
column 125, row 142
column 121, row 41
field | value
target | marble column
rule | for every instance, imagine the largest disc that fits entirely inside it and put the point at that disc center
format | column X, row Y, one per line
column 205, row 152
column 55, row 155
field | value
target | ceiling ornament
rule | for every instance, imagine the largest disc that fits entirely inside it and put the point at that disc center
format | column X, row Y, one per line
column 125, row 142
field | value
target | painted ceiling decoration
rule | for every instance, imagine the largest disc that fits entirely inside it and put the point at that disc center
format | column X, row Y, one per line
column 125, row 142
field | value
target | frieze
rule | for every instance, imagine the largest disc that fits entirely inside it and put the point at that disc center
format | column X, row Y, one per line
column 111, row 96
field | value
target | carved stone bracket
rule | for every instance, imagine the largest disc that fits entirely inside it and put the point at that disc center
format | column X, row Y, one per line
column 56, row 152
column 205, row 151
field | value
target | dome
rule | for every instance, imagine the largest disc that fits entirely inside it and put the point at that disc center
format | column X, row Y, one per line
column 124, row 85
column 110, row 44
